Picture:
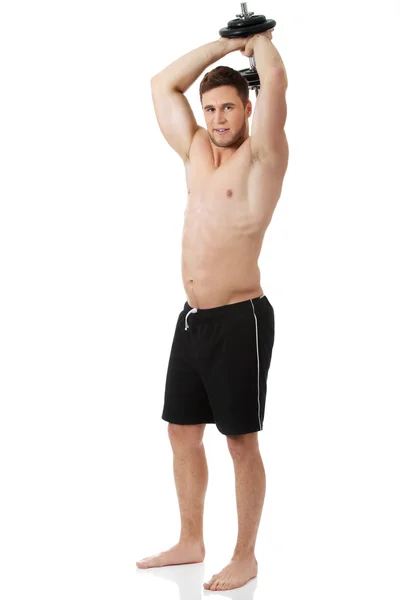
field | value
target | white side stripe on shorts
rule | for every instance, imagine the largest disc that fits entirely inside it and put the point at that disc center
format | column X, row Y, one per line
column 258, row 367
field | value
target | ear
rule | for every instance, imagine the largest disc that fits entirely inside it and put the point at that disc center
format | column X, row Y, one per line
column 249, row 109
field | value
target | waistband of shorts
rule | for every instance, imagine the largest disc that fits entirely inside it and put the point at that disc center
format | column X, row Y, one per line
column 219, row 312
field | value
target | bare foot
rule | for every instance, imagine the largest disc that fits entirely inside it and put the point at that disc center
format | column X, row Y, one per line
column 180, row 554
column 237, row 573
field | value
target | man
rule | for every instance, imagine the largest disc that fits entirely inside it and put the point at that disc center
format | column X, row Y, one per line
column 223, row 340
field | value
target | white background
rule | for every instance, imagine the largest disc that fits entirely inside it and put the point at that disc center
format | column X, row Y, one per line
column 91, row 214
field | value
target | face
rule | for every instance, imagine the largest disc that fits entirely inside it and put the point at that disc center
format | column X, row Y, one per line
column 226, row 117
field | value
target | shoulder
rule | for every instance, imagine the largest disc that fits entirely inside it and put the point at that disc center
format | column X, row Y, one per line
column 199, row 145
column 200, row 138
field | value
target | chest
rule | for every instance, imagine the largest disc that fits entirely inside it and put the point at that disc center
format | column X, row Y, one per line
column 217, row 200
column 227, row 200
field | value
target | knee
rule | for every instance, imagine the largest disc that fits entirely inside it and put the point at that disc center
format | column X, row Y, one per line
column 185, row 437
column 243, row 446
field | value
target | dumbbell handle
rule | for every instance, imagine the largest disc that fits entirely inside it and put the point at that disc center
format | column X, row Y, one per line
column 245, row 14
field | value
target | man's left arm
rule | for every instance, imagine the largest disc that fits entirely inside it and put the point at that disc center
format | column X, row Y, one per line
column 268, row 139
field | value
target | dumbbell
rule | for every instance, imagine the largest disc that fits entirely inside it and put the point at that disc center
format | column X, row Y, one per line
column 245, row 25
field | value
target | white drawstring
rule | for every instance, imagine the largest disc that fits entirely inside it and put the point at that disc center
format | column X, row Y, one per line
column 194, row 310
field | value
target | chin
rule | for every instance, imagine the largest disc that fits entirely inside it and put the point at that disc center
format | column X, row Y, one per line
column 222, row 143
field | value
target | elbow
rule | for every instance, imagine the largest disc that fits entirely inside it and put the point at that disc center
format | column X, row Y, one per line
column 154, row 81
column 157, row 80
column 282, row 75
column 278, row 76
column 274, row 79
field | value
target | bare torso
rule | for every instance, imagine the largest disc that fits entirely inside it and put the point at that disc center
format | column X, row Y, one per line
column 228, row 211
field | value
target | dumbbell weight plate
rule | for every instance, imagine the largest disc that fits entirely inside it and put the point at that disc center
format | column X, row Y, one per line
column 255, row 20
column 252, row 77
column 245, row 31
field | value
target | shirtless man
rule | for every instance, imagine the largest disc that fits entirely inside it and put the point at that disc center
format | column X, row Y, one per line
column 223, row 340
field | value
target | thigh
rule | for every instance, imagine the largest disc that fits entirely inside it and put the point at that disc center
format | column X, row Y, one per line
column 237, row 383
column 185, row 398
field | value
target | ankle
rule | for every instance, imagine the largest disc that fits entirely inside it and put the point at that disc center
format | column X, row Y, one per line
column 191, row 541
column 244, row 554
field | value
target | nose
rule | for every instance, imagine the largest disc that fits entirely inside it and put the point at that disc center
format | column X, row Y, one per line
column 220, row 117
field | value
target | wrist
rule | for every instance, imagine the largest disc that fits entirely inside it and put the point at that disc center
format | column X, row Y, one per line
column 223, row 43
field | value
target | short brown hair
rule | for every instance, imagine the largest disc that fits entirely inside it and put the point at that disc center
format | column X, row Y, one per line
column 225, row 76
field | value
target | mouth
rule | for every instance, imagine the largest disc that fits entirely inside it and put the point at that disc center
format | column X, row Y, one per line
column 221, row 131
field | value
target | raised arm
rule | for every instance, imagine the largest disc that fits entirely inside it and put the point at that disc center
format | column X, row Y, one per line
column 174, row 114
column 268, row 139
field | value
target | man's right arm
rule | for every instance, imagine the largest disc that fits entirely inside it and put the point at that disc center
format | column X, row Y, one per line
column 174, row 114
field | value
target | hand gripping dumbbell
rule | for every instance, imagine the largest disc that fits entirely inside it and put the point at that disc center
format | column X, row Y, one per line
column 245, row 25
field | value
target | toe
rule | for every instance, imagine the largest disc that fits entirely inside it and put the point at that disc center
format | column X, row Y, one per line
column 209, row 583
column 225, row 586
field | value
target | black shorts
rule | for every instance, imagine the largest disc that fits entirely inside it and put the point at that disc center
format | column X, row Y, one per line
column 218, row 366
